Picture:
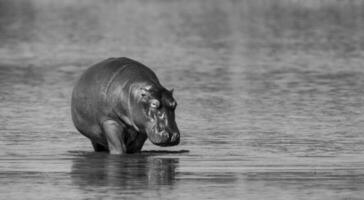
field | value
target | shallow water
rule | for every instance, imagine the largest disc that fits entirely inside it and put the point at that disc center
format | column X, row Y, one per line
column 270, row 98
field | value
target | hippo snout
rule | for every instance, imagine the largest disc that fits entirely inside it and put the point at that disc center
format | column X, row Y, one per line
column 165, row 139
column 175, row 138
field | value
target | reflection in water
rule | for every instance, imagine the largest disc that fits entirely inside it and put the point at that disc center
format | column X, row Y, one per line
column 124, row 172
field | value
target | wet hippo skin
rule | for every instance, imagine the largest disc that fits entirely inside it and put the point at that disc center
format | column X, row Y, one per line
column 119, row 103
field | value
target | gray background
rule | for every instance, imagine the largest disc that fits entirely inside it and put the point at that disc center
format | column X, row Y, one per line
column 270, row 97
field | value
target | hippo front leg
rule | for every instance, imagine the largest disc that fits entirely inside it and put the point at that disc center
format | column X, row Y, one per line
column 115, row 136
column 137, row 143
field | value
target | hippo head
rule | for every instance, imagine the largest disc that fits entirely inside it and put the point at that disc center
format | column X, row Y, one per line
column 156, row 115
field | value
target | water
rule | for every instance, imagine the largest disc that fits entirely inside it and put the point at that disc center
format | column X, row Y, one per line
column 270, row 98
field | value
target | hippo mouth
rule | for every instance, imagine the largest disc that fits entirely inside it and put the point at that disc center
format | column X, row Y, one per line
column 162, row 137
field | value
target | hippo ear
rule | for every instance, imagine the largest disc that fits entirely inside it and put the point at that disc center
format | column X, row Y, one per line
column 147, row 87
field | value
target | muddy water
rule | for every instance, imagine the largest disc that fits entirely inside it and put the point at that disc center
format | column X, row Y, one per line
column 270, row 98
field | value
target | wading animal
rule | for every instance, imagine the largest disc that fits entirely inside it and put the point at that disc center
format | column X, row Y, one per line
column 119, row 103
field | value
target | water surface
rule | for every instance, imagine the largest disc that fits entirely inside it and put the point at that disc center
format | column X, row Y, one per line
column 270, row 98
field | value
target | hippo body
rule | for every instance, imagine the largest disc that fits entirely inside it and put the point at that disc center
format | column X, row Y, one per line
column 119, row 103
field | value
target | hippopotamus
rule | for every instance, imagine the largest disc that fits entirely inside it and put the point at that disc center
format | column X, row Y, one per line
column 119, row 103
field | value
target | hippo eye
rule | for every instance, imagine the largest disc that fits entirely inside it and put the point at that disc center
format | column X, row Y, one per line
column 154, row 103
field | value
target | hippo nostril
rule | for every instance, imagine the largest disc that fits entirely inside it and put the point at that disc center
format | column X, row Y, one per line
column 163, row 134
